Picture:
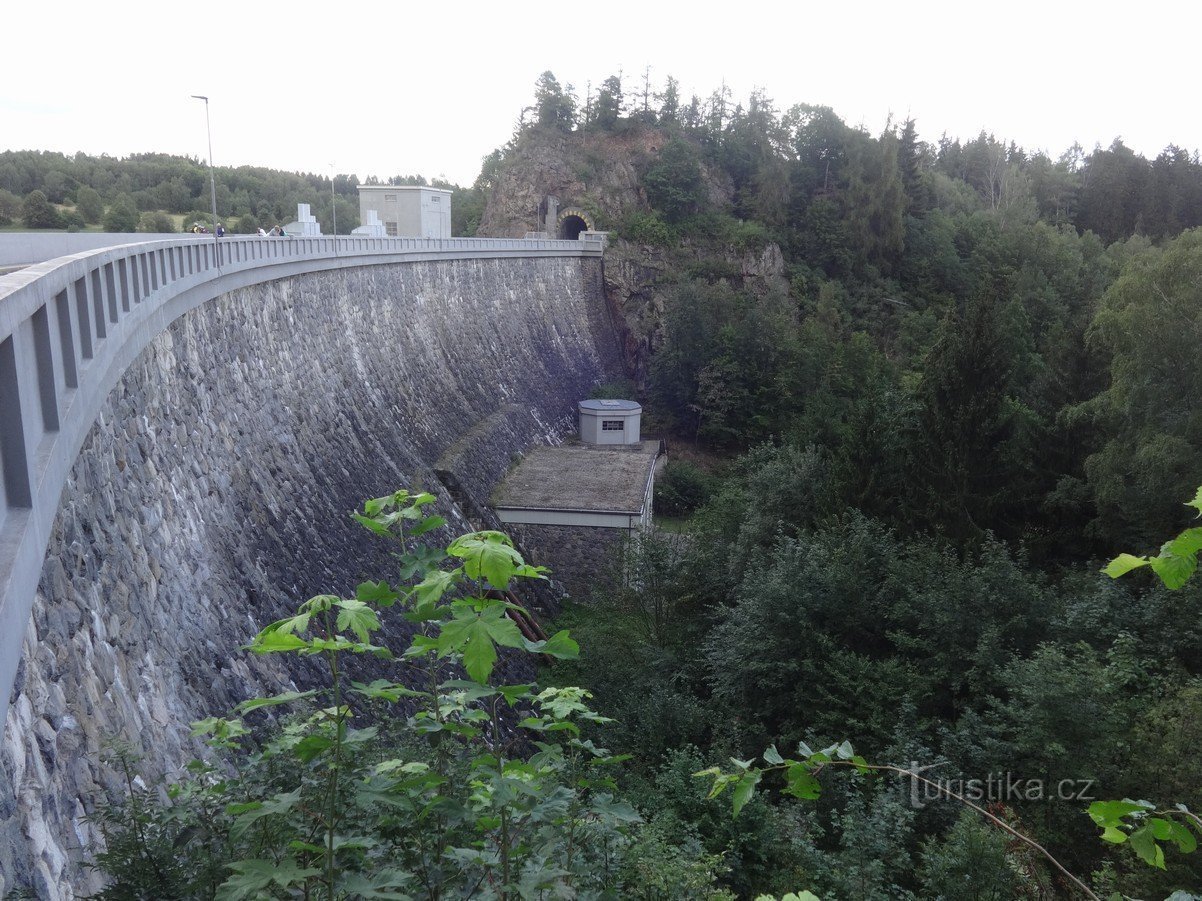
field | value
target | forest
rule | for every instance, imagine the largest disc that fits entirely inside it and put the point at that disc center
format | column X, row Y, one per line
column 159, row 193
column 898, row 464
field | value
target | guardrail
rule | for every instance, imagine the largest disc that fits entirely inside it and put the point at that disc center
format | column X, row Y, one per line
column 69, row 328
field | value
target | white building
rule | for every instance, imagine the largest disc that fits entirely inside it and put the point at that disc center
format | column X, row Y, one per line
column 408, row 211
column 610, row 421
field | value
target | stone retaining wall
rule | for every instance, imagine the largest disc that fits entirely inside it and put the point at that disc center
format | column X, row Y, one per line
column 212, row 495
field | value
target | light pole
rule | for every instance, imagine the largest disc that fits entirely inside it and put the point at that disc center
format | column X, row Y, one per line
column 334, row 208
column 212, row 181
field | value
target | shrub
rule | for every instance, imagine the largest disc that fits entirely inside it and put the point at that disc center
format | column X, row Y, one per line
column 646, row 228
column 682, row 489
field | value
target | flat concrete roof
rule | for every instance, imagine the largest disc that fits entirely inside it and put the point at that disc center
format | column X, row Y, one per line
column 605, row 406
column 404, row 188
column 611, row 478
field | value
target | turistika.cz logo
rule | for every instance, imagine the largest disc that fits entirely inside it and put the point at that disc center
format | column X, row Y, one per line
column 1003, row 787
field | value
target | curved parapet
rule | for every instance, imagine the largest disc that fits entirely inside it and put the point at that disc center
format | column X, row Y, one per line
column 70, row 327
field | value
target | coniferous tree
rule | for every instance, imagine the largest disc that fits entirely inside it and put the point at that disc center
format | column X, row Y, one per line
column 609, row 102
column 971, row 468
column 909, row 164
column 669, row 102
column 553, row 107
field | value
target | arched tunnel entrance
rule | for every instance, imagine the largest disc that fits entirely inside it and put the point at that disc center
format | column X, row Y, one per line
column 572, row 222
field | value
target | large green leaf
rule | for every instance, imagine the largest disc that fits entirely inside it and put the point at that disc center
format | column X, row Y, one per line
column 800, row 783
column 275, row 641
column 1196, row 503
column 1187, row 544
column 279, row 805
column 470, row 637
column 487, row 556
column 253, row 877
column 744, row 789
column 1143, row 841
column 378, row 593
column 430, row 590
column 1123, row 564
column 1174, row 571
column 286, row 698
column 358, row 617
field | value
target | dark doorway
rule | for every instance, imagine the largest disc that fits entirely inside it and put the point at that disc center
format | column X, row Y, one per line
column 570, row 227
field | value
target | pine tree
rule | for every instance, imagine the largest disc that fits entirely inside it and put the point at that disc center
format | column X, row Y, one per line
column 972, row 469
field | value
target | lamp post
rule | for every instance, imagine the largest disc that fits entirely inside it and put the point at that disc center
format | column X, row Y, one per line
column 334, row 208
column 212, row 181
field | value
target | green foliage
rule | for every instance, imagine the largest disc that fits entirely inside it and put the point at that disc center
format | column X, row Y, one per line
column 646, row 228
column 37, row 212
column 491, row 785
column 681, row 489
column 155, row 223
column 89, row 204
column 1147, row 323
column 699, row 374
column 970, row 863
column 554, row 107
column 673, row 183
column 122, row 216
column 10, row 207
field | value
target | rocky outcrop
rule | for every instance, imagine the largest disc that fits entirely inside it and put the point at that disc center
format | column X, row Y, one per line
column 595, row 170
column 213, row 494
column 636, row 296
column 600, row 172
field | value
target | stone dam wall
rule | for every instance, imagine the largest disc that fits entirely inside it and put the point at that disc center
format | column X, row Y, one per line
column 212, row 494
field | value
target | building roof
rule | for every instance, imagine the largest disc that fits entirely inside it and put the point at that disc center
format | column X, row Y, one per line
column 608, row 406
column 404, row 188
column 611, row 478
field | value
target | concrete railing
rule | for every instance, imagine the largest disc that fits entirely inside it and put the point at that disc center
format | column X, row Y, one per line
column 71, row 326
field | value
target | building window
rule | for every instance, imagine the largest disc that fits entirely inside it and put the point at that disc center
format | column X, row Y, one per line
column 612, row 425
column 436, row 199
column 390, row 229
column 390, row 198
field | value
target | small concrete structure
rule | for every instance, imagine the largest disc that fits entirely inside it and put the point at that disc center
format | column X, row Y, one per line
column 610, row 421
column 306, row 225
column 581, row 485
column 372, row 227
column 411, row 211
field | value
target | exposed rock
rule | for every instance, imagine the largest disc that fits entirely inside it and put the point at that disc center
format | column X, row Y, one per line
column 595, row 170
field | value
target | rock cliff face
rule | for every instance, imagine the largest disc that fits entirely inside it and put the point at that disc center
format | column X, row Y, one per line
column 600, row 172
column 212, row 495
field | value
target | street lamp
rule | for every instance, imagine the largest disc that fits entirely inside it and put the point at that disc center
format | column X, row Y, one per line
column 212, row 181
column 334, row 208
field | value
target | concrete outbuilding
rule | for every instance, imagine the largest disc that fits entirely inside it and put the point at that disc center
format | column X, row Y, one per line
column 408, row 211
column 610, row 421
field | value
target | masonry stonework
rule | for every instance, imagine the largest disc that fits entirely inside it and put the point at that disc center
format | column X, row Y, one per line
column 212, row 495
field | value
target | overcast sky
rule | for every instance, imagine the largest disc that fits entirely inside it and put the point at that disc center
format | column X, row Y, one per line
column 385, row 88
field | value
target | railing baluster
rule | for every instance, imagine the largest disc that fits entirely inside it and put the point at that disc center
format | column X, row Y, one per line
column 43, row 351
column 123, row 272
column 110, row 289
column 14, row 459
column 84, row 318
column 63, row 323
column 98, row 305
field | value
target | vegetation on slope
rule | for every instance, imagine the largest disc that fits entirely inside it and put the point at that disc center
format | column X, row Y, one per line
column 971, row 377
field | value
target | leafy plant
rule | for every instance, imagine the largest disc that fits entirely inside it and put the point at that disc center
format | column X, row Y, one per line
column 1177, row 560
column 505, row 799
column 801, row 781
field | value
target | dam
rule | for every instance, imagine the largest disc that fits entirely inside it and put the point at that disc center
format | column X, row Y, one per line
column 184, row 428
